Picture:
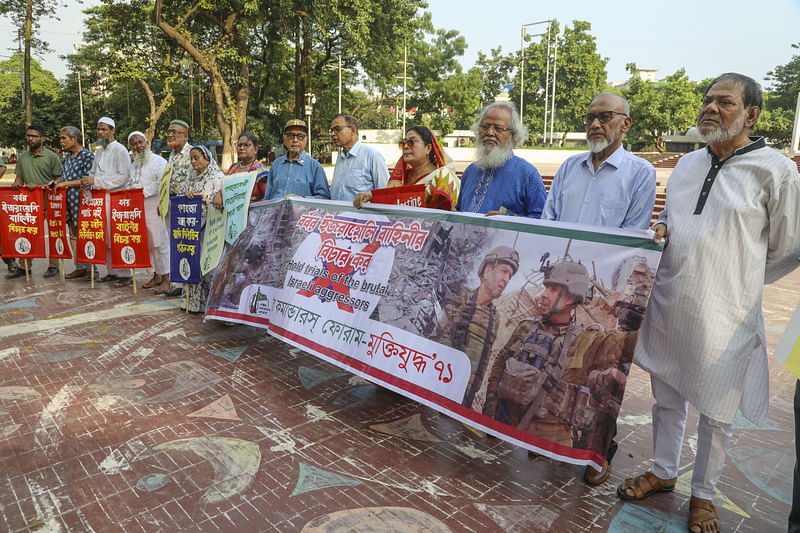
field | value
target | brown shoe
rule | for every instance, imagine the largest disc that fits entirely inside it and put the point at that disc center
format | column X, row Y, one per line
column 164, row 286
column 78, row 273
column 594, row 478
column 155, row 280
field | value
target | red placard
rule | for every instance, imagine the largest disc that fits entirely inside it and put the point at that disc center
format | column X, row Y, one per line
column 92, row 227
column 57, row 224
column 22, row 222
column 128, row 230
column 413, row 195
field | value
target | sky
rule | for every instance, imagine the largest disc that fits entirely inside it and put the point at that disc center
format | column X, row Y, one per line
column 707, row 38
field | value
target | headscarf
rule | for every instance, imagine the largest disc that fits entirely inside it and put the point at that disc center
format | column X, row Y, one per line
column 401, row 168
column 212, row 172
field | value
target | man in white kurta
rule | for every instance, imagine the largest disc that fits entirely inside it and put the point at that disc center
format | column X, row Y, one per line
column 109, row 172
column 145, row 173
column 731, row 223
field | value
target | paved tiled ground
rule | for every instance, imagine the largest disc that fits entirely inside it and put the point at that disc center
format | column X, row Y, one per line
column 119, row 413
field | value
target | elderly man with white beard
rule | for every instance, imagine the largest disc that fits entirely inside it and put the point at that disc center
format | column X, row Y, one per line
column 145, row 173
column 731, row 223
column 607, row 186
column 110, row 172
column 498, row 181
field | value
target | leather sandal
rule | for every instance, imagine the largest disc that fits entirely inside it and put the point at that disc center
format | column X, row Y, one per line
column 155, row 280
column 107, row 278
column 164, row 286
column 123, row 282
column 594, row 478
column 703, row 516
column 644, row 485
column 79, row 273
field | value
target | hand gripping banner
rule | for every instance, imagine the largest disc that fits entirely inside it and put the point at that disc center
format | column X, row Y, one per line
column 91, row 246
column 128, row 230
column 57, row 224
column 22, row 221
column 184, row 235
column 522, row 328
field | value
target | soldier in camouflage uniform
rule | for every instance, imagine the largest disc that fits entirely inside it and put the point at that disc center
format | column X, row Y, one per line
column 529, row 368
column 470, row 321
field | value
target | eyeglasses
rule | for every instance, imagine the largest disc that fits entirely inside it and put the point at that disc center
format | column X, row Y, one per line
column 173, row 131
column 293, row 135
column 603, row 116
column 337, row 129
column 410, row 142
column 497, row 129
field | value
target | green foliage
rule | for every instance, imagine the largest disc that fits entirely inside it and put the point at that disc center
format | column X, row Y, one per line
column 45, row 91
column 657, row 111
column 775, row 123
column 496, row 71
column 777, row 117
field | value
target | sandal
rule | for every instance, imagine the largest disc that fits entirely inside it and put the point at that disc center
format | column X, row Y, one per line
column 644, row 485
column 107, row 278
column 155, row 280
column 122, row 282
column 703, row 512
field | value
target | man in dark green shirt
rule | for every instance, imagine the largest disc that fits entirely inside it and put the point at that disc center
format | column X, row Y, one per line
column 37, row 166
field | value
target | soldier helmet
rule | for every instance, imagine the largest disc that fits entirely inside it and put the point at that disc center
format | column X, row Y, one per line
column 573, row 276
column 500, row 254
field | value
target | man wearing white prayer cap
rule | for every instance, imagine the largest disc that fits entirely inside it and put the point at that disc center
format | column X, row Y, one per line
column 145, row 173
column 109, row 172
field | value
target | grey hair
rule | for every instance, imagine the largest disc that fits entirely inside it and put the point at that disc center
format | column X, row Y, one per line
column 73, row 133
column 519, row 134
column 625, row 105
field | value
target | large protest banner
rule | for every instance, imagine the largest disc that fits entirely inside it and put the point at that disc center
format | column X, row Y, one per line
column 22, row 222
column 236, row 190
column 454, row 310
column 184, row 235
column 128, row 230
column 91, row 246
column 57, row 224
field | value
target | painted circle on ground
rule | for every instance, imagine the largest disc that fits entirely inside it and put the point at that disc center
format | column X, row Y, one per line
column 128, row 255
column 89, row 250
column 59, row 246
column 22, row 246
column 184, row 269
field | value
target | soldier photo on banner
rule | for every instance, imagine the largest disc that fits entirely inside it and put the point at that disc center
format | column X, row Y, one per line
column 184, row 233
column 524, row 329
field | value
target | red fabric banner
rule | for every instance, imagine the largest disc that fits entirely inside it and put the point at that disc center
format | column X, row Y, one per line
column 92, row 227
column 413, row 195
column 22, row 222
column 57, row 225
column 128, row 230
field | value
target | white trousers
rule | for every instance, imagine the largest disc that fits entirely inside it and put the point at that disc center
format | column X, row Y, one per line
column 669, row 423
column 157, row 236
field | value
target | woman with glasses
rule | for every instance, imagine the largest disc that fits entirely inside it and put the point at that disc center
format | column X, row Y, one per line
column 247, row 150
column 423, row 163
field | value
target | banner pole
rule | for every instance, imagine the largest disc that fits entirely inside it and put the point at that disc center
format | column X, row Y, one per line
column 63, row 275
column 27, row 274
column 134, row 280
column 91, row 270
column 186, row 287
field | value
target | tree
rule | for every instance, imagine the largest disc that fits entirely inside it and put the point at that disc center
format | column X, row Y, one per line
column 26, row 15
column 580, row 75
column 659, row 110
column 776, row 118
column 45, row 90
column 495, row 72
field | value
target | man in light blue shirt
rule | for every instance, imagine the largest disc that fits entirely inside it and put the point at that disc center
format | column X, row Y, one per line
column 359, row 168
column 296, row 173
column 607, row 186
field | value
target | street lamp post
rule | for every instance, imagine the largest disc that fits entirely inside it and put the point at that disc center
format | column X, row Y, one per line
column 340, row 69
column 522, row 64
column 405, row 64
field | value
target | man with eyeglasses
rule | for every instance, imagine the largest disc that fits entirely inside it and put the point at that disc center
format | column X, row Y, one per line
column 359, row 168
column 498, row 182
column 37, row 166
column 606, row 186
column 296, row 173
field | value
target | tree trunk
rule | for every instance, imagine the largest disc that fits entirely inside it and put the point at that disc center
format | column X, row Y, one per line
column 27, row 63
column 299, row 80
column 155, row 111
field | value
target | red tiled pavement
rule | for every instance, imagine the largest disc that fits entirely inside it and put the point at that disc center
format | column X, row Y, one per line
column 96, row 389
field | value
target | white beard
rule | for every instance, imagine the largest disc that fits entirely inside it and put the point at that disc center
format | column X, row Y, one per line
column 722, row 134
column 598, row 146
column 492, row 156
column 142, row 159
column 103, row 143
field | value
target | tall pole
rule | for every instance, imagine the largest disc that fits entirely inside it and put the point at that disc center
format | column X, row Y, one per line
column 405, row 78
column 80, row 100
column 553, row 94
column 340, row 83
column 546, row 85
column 521, row 72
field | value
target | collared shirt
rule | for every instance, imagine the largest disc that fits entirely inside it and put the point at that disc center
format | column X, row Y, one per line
column 110, row 168
column 620, row 193
column 180, row 165
column 359, row 170
column 703, row 334
column 38, row 169
column 74, row 168
column 516, row 186
column 303, row 176
column 148, row 177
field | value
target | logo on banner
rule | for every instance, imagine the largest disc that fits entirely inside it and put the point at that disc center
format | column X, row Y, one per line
column 128, row 255
column 59, row 246
column 22, row 245
column 90, row 250
column 185, row 269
